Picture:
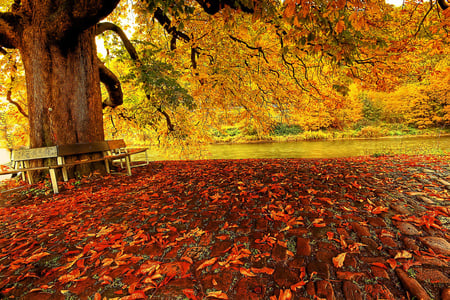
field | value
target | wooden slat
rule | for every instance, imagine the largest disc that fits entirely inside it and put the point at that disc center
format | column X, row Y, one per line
column 83, row 148
column 23, row 170
column 116, row 144
column 34, row 153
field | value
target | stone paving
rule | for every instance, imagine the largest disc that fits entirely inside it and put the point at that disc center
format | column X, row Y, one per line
column 360, row 228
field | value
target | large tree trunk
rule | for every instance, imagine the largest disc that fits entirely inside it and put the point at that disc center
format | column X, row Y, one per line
column 63, row 86
column 56, row 40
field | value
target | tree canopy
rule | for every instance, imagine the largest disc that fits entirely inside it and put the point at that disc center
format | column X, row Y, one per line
column 175, row 69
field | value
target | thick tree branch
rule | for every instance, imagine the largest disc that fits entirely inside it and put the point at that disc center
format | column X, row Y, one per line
column 112, row 85
column 9, row 92
column 444, row 4
column 168, row 121
column 172, row 30
column 260, row 50
column 213, row 6
column 72, row 17
column 164, row 20
column 87, row 13
column 104, row 26
column 9, row 23
column 112, row 82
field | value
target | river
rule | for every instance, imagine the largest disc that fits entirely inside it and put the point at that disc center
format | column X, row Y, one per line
column 326, row 149
column 314, row 149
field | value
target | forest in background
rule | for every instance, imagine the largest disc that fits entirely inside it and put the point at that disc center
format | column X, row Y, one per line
column 234, row 77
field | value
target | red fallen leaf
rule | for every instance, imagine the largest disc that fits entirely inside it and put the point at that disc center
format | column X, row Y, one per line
column 190, row 294
column 397, row 218
column 207, row 263
column 106, row 279
column 330, row 235
column 392, row 263
column 80, row 264
column 135, row 295
column 97, row 296
column 379, row 210
column 72, row 276
column 338, row 261
column 263, row 270
column 246, row 272
column 222, row 237
column 285, row 295
column 298, row 285
column 36, row 257
column 408, row 264
column 217, row 294
column 378, row 264
column 403, row 254
column 318, row 222
column 132, row 287
column 187, row 259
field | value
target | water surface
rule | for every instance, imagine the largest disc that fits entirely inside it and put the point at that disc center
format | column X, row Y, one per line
column 324, row 149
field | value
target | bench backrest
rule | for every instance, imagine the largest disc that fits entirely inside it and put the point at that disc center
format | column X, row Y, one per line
column 66, row 150
column 34, row 153
column 82, row 148
column 116, row 144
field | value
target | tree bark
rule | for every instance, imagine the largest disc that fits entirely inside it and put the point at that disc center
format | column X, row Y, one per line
column 63, row 86
column 56, row 40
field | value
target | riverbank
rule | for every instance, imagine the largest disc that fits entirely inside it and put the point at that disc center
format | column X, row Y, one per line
column 353, row 228
column 234, row 135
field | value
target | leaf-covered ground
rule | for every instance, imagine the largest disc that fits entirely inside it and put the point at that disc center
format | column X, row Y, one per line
column 354, row 228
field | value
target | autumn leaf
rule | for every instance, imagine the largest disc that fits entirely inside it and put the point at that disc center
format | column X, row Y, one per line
column 340, row 26
column 246, row 272
column 338, row 261
column 298, row 285
column 392, row 263
column 187, row 259
column 207, row 263
column 72, row 276
column 379, row 210
column 284, row 295
column 217, row 294
column 36, row 257
column 264, row 270
column 403, row 254
column 190, row 294
column 378, row 264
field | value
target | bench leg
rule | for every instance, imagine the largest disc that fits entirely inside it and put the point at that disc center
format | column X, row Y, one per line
column 54, row 181
column 128, row 163
column 108, row 170
column 61, row 161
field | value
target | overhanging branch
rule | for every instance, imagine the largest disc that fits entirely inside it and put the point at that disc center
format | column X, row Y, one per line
column 112, row 85
column 112, row 82
column 9, row 92
column 104, row 26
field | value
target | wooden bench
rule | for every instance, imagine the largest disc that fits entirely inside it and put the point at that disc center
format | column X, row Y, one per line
column 70, row 150
column 108, row 152
column 21, row 163
column 118, row 150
